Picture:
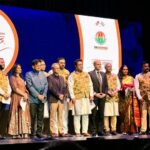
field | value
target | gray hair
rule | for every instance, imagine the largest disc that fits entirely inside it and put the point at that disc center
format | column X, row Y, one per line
column 54, row 64
column 107, row 64
column 96, row 61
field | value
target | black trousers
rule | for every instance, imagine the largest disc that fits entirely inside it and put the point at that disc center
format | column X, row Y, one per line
column 4, row 114
column 36, row 111
column 46, row 129
column 97, row 116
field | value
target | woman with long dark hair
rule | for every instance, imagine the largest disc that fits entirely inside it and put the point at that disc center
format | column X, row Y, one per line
column 19, row 123
column 128, row 105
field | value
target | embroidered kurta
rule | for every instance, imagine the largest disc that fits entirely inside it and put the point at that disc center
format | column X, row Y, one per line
column 111, row 103
column 142, row 86
column 4, row 85
column 4, row 112
column 65, row 73
column 80, row 88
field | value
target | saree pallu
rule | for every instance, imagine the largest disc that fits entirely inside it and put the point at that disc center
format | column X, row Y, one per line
column 129, row 113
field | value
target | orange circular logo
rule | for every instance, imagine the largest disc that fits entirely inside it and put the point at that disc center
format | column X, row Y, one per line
column 100, row 37
column 8, row 41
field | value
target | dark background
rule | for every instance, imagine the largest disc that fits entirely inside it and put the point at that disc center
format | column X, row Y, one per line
column 126, row 11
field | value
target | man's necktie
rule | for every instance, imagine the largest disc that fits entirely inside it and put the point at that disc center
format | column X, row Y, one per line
column 100, row 80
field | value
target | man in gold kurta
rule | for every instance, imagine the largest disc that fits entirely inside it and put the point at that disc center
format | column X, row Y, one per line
column 5, row 91
column 142, row 87
column 64, row 73
column 111, row 103
column 81, row 92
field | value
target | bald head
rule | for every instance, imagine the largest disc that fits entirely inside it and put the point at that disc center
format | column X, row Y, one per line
column 55, row 67
column 97, row 64
column 108, row 67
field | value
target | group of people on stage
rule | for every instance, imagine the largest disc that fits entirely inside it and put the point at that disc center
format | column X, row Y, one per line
column 96, row 99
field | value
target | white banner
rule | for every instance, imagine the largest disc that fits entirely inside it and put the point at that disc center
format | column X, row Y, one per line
column 99, row 39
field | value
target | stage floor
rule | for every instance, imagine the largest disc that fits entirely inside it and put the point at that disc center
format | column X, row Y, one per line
column 122, row 140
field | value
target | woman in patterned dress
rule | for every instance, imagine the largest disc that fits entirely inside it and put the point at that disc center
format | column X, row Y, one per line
column 128, row 104
column 19, row 123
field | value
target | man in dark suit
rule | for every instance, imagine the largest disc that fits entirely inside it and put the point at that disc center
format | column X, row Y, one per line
column 57, row 88
column 100, row 89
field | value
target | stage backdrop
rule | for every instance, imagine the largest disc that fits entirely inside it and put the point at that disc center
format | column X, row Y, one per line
column 49, row 35
column 99, row 39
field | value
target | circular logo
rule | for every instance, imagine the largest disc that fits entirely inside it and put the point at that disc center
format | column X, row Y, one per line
column 100, row 38
column 8, row 41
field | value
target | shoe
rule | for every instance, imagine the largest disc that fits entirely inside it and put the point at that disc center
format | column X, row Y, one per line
column 101, row 133
column 78, row 135
column 25, row 136
column 86, row 134
column 16, row 137
column 61, row 135
column 114, row 133
column 32, row 136
column 48, row 137
column 2, row 137
column 107, row 133
column 142, row 133
column 94, row 134
column 55, row 135
column 13, row 137
column 124, row 133
column 40, row 135
column 67, row 135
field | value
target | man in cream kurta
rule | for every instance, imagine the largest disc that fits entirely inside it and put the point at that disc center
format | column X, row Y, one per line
column 142, row 87
column 81, row 92
column 111, row 103
column 64, row 73
column 5, row 91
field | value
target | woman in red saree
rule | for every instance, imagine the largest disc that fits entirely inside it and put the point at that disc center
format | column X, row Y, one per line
column 128, row 105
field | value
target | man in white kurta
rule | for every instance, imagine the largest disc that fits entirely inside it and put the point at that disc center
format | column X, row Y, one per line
column 111, row 103
column 81, row 92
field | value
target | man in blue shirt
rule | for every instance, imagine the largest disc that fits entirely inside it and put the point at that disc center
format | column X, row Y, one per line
column 37, row 86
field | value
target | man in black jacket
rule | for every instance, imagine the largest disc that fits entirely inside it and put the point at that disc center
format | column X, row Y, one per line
column 100, row 89
column 56, row 89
